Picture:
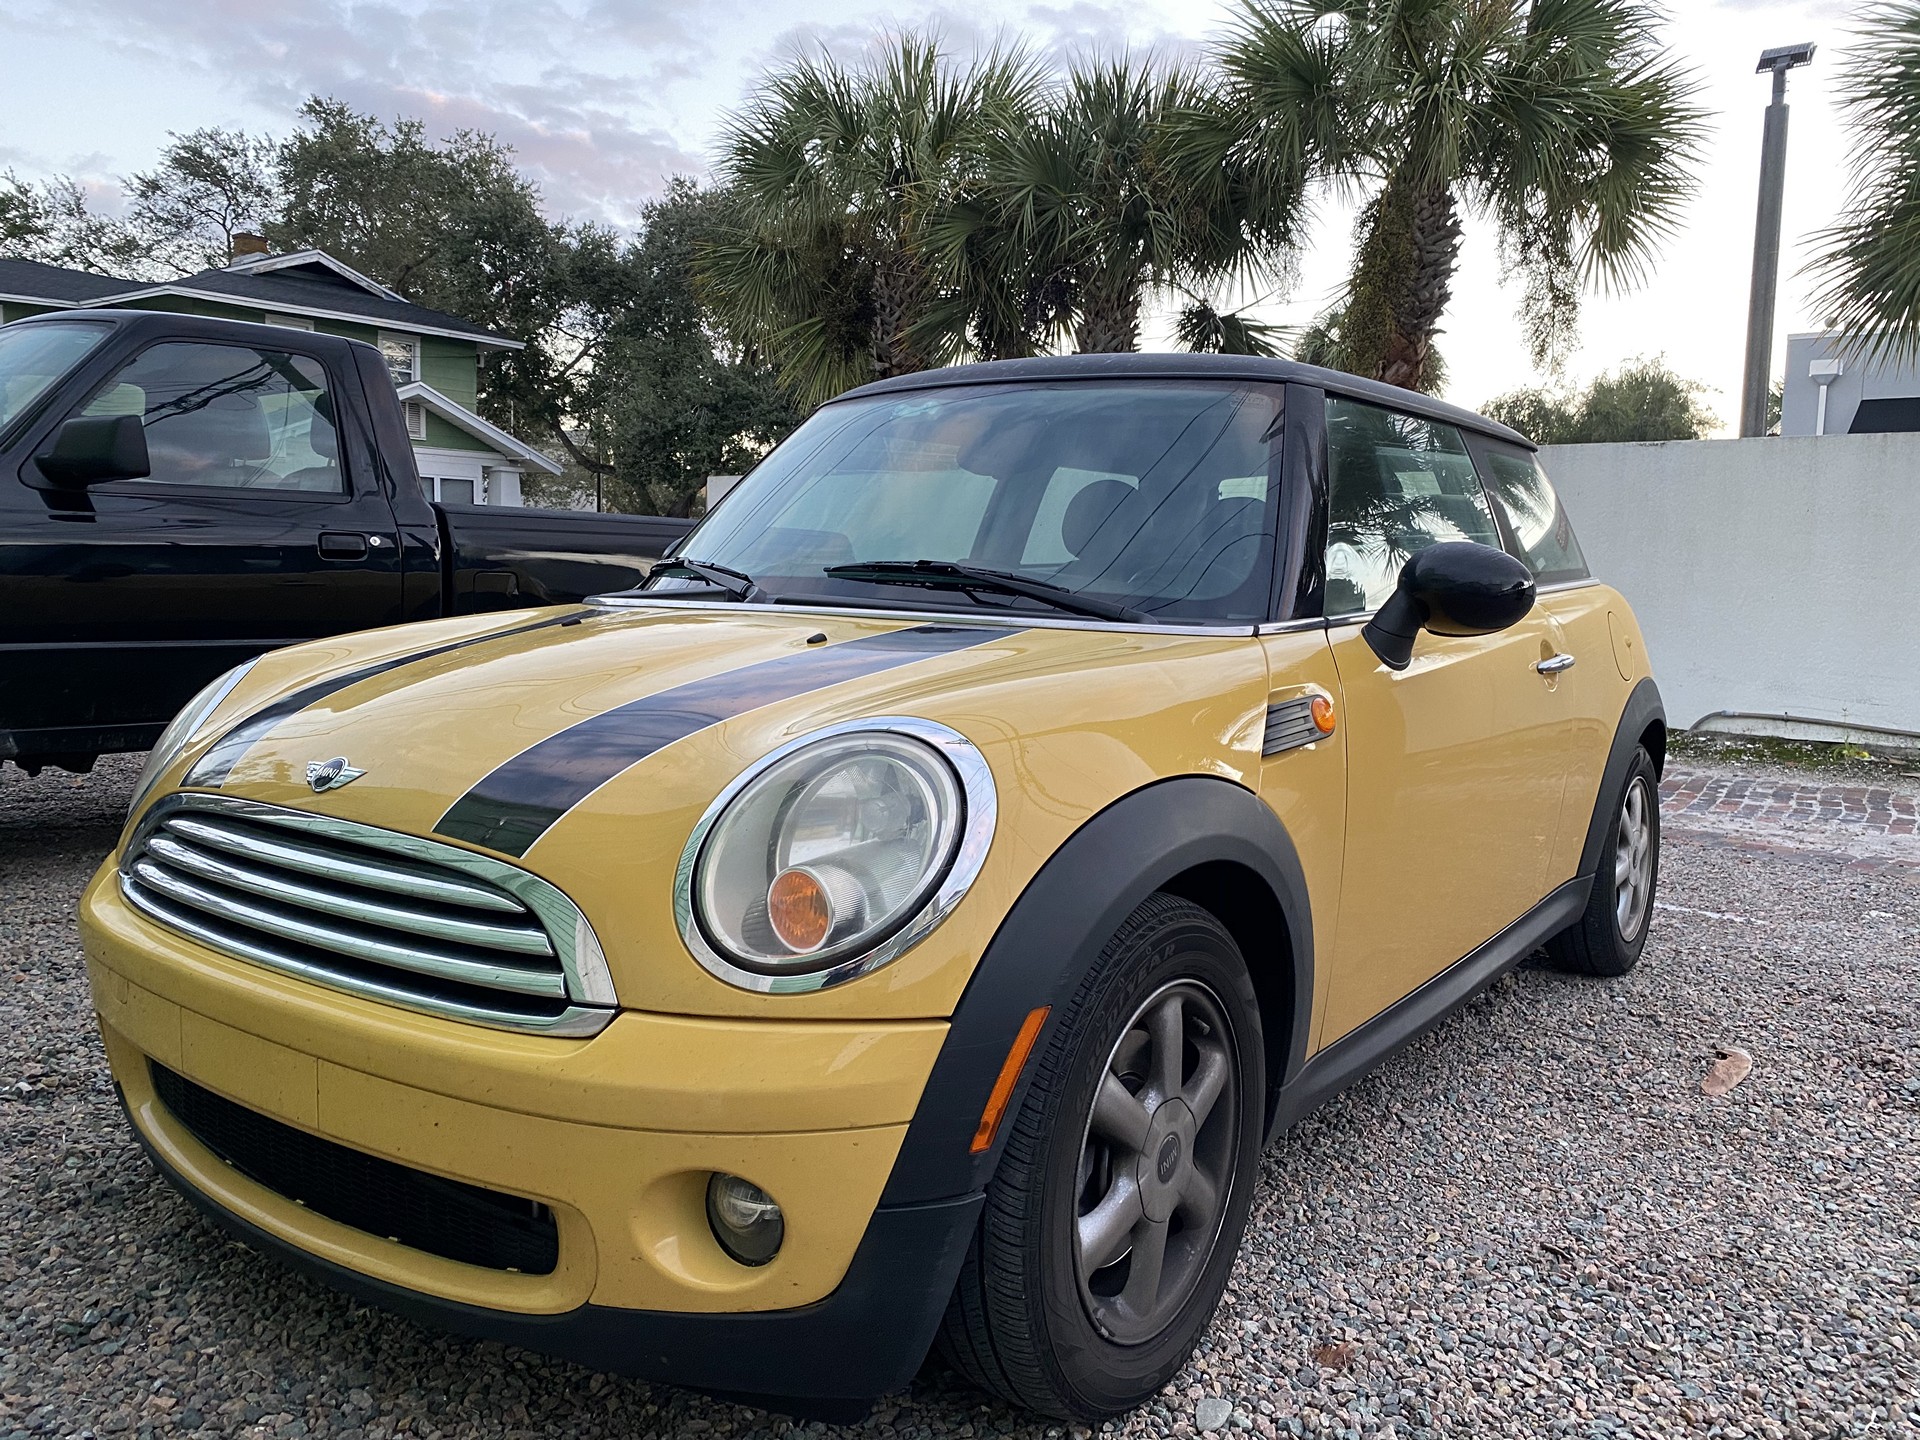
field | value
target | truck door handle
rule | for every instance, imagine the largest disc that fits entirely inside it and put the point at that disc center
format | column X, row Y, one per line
column 1554, row 664
column 342, row 545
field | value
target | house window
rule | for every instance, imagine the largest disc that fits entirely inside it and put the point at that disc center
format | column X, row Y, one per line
column 402, row 354
column 290, row 322
column 416, row 419
column 453, row 489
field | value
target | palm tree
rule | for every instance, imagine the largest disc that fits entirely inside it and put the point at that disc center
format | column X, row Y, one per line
column 1098, row 197
column 1560, row 120
column 835, row 175
column 1870, row 260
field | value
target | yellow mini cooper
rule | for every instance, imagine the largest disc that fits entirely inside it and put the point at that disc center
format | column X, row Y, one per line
column 902, row 921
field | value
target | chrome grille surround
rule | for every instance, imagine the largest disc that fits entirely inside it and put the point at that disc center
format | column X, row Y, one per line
column 396, row 918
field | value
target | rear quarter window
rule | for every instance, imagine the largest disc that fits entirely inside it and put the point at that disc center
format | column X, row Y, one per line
column 1538, row 530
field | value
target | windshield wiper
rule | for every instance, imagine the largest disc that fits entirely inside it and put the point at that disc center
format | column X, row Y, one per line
column 946, row 575
column 736, row 583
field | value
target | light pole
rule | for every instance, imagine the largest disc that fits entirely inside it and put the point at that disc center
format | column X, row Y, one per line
column 1766, row 239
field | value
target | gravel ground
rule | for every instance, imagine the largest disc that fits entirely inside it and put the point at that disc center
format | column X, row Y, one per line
column 1532, row 1223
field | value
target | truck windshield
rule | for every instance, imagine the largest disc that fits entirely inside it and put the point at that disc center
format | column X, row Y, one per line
column 32, row 357
column 1153, row 496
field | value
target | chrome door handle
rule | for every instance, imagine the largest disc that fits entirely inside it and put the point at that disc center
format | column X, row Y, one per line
column 1554, row 664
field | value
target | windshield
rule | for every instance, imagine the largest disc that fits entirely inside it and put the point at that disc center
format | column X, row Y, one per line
column 1152, row 495
column 32, row 357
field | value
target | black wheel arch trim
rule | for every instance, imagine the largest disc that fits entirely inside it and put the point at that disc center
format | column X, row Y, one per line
column 1055, row 931
column 1643, row 708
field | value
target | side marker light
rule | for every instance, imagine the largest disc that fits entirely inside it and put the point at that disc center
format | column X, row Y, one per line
column 1321, row 709
column 1009, row 1077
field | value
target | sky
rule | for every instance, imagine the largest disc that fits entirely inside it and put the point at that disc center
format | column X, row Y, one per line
column 604, row 100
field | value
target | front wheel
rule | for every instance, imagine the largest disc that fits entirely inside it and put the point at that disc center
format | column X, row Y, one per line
column 1609, row 937
column 1117, row 1209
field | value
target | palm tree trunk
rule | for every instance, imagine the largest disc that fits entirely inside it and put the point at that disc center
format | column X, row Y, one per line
column 1402, row 281
column 896, row 299
column 1109, row 321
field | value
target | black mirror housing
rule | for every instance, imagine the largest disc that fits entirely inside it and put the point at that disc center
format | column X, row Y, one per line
column 93, row 449
column 1453, row 588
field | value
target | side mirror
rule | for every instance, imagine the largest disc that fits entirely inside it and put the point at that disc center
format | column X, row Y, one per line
column 1454, row 588
column 92, row 449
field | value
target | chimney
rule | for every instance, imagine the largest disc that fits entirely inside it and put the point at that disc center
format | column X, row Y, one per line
column 245, row 244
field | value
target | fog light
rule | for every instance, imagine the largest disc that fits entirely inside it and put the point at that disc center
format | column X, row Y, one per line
column 745, row 1219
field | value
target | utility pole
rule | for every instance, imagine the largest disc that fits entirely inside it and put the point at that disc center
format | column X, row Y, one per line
column 1766, row 240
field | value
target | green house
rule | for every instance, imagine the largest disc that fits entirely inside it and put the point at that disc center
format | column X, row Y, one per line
column 434, row 358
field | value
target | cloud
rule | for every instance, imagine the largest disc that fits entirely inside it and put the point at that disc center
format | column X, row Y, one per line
column 602, row 101
column 506, row 67
column 1055, row 35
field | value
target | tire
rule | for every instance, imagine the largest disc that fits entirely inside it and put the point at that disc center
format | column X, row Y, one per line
column 1029, row 1320
column 1608, row 938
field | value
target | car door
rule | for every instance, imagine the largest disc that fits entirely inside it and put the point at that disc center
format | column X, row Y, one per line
column 1455, row 765
column 251, row 531
column 1594, row 641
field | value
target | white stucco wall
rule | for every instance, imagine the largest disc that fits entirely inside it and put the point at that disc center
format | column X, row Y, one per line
column 1774, row 576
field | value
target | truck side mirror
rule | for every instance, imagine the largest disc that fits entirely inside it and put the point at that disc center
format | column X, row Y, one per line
column 1454, row 588
column 93, row 449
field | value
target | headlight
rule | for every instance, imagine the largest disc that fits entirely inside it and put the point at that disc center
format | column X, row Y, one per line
column 180, row 730
column 835, row 853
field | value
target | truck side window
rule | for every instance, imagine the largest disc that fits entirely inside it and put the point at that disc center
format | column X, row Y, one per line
column 1542, row 534
column 1397, row 484
column 230, row 416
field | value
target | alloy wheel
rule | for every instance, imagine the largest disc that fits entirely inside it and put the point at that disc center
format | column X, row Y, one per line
column 1157, row 1162
column 1633, row 860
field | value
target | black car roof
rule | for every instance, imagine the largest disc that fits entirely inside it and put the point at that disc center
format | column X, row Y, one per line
column 175, row 322
column 1191, row 367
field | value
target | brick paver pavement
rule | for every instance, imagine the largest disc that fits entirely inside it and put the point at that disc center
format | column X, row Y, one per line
column 1872, row 828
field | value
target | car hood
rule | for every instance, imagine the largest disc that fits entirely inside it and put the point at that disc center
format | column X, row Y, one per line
column 586, row 743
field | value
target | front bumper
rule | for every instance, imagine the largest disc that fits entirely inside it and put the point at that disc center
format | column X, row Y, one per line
column 828, row 1360
column 615, row 1135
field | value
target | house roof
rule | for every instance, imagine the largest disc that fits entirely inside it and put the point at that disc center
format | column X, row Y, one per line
column 421, row 393
column 316, row 264
column 307, row 282
column 39, row 284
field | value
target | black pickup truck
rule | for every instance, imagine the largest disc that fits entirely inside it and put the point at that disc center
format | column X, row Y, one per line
column 178, row 494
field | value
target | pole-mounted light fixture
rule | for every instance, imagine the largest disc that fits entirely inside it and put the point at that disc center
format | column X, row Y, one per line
column 1766, row 238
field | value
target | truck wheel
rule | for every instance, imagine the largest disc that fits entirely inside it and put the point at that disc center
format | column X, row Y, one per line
column 1116, row 1212
column 1608, row 938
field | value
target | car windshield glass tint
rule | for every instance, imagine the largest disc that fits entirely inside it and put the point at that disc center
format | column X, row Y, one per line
column 32, row 357
column 1154, row 495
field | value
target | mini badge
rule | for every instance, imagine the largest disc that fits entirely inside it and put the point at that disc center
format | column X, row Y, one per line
column 325, row 775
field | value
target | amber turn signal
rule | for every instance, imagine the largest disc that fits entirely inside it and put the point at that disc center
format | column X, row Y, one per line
column 799, row 910
column 1322, row 710
column 1009, row 1076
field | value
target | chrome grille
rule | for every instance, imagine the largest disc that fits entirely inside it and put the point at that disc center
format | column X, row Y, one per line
column 392, row 916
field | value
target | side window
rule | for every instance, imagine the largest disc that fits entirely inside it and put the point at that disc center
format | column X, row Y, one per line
column 230, row 416
column 1397, row 484
column 1542, row 534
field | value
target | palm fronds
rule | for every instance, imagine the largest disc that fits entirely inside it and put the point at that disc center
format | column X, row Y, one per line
column 1869, row 261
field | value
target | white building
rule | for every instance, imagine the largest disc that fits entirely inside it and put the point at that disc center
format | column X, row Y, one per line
column 1833, row 389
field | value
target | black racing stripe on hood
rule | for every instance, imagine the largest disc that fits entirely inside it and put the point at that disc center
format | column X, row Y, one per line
column 516, row 804
column 217, row 764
